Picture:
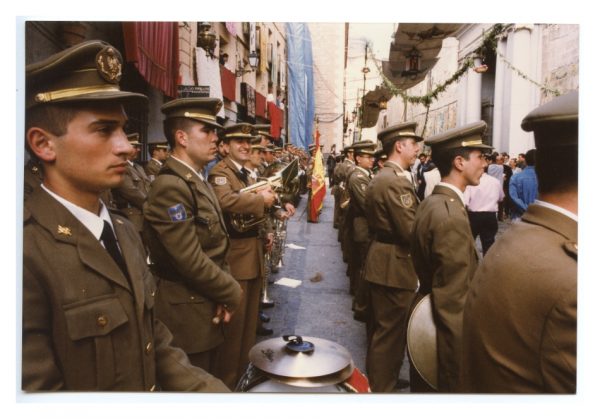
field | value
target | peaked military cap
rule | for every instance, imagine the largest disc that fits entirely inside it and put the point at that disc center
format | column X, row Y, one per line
column 364, row 144
column 134, row 139
column 555, row 123
column 467, row 136
column 256, row 143
column 202, row 109
column 348, row 148
column 270, row 148
column 380, row 154
column 159, row 145
column 264, row 129
column 89, row 71
column 395, row 132
column 241, row 131
column 365, row 151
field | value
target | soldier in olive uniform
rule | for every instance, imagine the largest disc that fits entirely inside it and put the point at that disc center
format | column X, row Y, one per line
column 187, row 237
column 520, row 324
column 130, row 196
column 442, row 245
column 341, row 195
column 32, row 176
column 358, row 181
column 88, row 295
column 159, row 153
column 246, row 255
column 391, row 203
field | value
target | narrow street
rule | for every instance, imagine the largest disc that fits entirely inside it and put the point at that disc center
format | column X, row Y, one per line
column 317, row 308
column 320, row 308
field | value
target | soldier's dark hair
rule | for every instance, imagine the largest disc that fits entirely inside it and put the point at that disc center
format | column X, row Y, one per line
column 530, row 157
column 443, row 159
column 557, row 168
column 53, row 118
column 172, row 125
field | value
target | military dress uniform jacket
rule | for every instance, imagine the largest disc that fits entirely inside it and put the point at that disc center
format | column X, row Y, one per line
column 520, row 324
column 445, row 259
column 391, row 204
column 188, row 243
column 32, row 178
column 85, row 328
column 152, row 168
column 246, row 249
column 132, row 193
column 358, row 181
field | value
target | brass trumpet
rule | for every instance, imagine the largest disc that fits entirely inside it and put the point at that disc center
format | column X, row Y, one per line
column 245, row 222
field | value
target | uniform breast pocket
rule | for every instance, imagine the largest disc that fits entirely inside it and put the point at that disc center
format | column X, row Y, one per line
column 209, row 229
column 177, row 302
column 91, row 326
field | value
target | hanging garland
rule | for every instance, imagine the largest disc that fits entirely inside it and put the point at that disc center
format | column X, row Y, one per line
column 489, row 44
column 545, row 89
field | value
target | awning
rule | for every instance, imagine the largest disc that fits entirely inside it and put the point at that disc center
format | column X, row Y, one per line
column 228, row 84
column 153, row 47
column 261, row 105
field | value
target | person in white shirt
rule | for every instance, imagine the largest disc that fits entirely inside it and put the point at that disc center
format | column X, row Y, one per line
column 482, row 207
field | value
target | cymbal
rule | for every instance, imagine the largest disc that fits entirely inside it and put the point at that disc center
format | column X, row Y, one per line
column 305, row 362
column 421, row 340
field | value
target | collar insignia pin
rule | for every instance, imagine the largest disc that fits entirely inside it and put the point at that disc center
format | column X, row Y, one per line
column 65, row 231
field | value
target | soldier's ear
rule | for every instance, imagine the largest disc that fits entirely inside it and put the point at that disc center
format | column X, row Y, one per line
column 41, row 143
column 181, row 137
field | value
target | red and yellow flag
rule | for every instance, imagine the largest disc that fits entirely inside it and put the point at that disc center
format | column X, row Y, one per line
column 317, row 183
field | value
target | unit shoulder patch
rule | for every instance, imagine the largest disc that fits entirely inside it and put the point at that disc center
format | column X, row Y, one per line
column 406, row 200
column 220, row 180
column 177, row 213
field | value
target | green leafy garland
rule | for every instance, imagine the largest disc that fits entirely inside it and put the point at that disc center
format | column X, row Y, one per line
column 489, row 44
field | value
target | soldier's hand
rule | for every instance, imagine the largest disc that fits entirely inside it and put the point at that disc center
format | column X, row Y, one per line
column 290, row 208
column 269, row 241
column 269, row 197
column 222, row 314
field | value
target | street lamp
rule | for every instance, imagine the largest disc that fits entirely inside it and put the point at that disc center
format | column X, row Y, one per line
column 207, row 38
column 252, row 61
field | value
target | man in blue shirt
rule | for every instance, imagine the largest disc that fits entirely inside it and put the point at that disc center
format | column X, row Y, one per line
column 523, row 186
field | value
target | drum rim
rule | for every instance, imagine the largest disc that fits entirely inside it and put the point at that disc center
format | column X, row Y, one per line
column 410, row 341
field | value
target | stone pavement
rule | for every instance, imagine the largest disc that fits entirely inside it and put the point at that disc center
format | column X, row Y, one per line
column 319, row 308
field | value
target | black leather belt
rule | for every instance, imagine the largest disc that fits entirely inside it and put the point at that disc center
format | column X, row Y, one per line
column 386, row 237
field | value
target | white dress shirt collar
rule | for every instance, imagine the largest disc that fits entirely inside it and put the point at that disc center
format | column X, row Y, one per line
column 199, row 174
column 556, row 208
column 94, row 223
column 455, row 189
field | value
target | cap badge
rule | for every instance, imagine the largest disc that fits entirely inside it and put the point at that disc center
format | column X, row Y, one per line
column 246, row 129
column 108, row 64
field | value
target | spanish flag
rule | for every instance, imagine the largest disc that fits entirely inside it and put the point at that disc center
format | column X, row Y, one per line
column 317, row 184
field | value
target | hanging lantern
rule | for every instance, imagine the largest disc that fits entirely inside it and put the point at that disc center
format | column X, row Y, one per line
column 253, row 60
column 412, row 66
column 207, row 38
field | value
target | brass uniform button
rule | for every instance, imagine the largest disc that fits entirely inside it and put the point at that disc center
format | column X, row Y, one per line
column 148, row 348
column 192, row 297
column 102, row 320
